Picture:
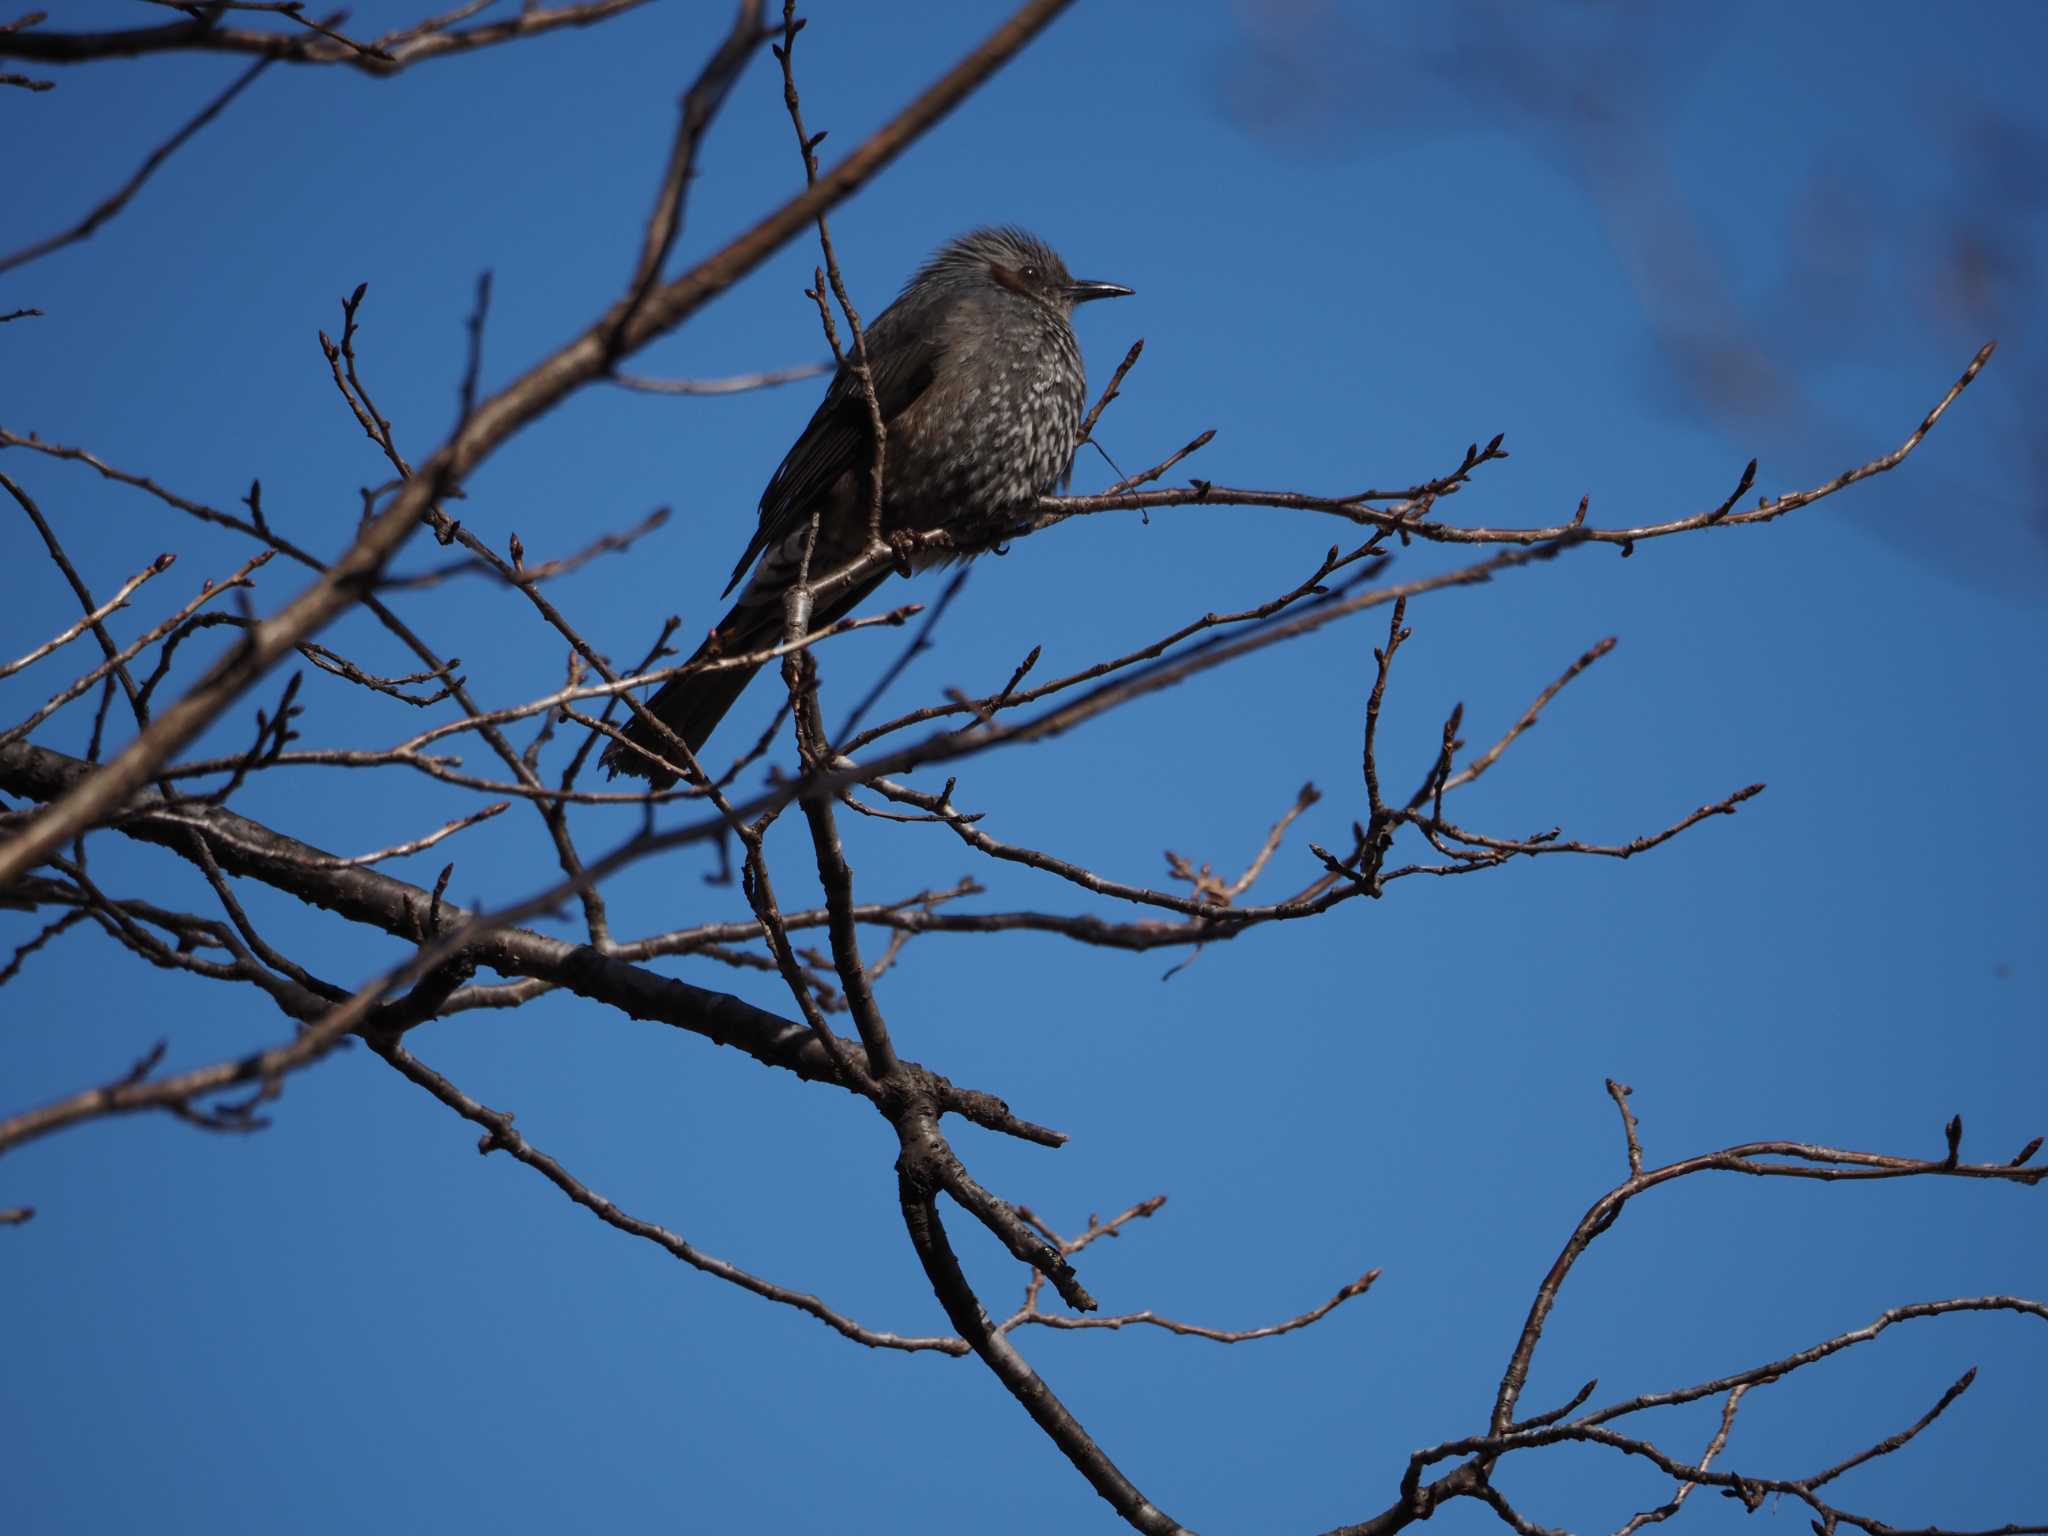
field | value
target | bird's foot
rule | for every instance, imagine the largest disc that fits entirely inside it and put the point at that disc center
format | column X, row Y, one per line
column 902, row 544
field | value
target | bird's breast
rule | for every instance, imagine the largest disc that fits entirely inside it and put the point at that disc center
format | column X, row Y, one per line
column 996, row 430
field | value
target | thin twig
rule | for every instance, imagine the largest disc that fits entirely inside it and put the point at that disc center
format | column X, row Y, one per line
column 84, row 228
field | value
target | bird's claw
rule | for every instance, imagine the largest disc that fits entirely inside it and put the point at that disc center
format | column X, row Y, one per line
column 901, row 544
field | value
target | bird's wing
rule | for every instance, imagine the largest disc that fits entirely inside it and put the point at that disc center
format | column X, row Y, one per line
column 839, row 436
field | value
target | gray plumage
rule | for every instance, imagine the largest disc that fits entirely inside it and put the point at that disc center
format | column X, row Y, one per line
column 981, row 388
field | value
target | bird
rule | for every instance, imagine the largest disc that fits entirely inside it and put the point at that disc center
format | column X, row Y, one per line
column 979, row 382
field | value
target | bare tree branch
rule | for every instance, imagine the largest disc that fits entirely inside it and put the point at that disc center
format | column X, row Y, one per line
column 500, row 1136
column 436, row 37
column 150, row 794
column 121, row 195
column 588, row 357
column 252, row 851
column 1411, row 509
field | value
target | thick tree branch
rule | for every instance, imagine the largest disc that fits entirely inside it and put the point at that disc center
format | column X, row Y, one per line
column 248, row 849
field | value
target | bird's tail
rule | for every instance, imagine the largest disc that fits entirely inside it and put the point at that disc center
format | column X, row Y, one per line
column 692, row 704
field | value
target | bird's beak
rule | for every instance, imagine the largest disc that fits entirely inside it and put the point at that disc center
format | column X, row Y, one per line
column 1081, row 291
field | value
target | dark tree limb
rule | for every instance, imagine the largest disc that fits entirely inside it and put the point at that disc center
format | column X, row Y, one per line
column 252, row 851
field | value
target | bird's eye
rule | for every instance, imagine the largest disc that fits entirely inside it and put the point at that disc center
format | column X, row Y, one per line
column 1031, row 274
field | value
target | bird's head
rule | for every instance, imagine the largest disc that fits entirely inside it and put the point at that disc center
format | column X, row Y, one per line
column 1017, row 262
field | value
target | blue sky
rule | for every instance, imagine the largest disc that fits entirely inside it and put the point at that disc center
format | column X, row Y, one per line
column 1359, row 242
